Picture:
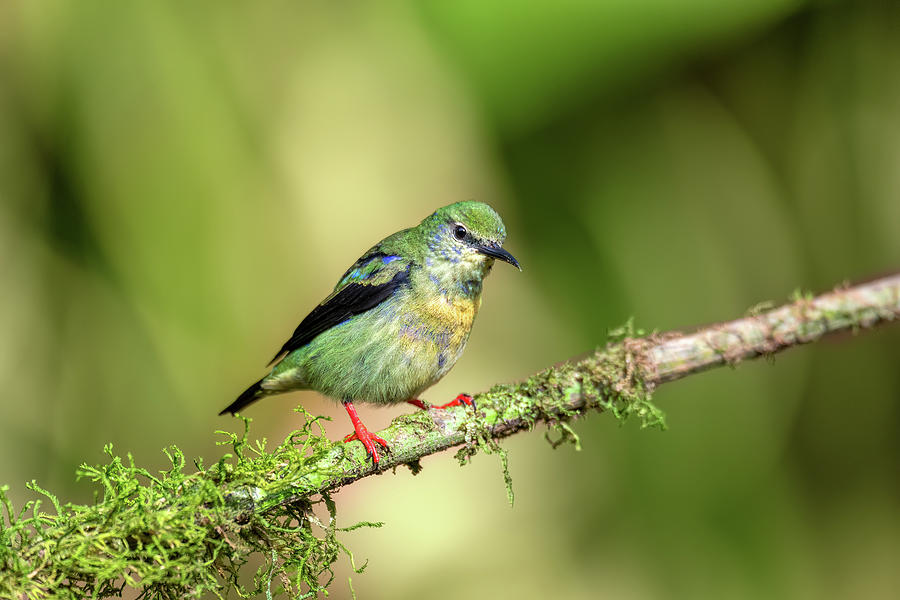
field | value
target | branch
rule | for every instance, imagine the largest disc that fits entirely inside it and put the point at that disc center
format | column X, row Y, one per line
column 177, row 534
column 618, row 377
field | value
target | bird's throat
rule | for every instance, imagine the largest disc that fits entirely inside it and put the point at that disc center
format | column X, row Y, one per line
column 461, row 279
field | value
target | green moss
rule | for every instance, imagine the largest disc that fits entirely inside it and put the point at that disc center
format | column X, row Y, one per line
column 609, row 380
column 801, row 295
column 174, row 534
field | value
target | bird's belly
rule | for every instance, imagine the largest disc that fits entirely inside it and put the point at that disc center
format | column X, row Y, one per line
column 386, row 355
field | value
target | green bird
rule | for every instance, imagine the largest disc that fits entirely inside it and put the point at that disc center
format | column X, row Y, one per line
column 397, row 321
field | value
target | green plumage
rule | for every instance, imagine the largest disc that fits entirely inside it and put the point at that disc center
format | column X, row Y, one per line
column 399, row 318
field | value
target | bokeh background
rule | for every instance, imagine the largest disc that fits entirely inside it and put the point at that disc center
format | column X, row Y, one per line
column 180, row 182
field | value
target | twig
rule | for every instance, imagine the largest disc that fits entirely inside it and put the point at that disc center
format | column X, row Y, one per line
column 618, row 377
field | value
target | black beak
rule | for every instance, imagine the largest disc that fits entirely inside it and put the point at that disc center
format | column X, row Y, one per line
column 498, row 253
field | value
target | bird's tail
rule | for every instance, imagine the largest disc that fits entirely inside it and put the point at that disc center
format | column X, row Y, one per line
column 251, row 394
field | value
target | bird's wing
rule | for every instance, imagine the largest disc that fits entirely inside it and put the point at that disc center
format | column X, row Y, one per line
column 369, row 282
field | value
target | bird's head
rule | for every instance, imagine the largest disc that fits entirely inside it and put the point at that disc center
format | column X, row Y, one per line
column 466, row 238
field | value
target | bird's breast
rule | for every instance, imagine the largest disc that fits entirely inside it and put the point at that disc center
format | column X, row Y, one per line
column 451, row 313
column 436, row 331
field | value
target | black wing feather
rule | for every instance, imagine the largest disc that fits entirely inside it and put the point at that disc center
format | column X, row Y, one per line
column 353, row 299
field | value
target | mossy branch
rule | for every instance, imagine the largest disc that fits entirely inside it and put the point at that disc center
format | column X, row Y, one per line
column 176, row 534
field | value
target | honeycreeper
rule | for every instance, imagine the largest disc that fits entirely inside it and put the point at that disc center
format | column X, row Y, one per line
column 397, row 320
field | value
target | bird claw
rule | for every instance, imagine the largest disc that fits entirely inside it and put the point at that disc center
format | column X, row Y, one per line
column 368, row 440
column 461, row 400
column 365, row 437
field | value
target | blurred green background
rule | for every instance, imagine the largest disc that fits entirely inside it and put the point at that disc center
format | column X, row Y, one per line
column 180, row 182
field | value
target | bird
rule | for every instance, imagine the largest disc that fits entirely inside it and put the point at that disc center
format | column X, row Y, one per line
column 397, row 320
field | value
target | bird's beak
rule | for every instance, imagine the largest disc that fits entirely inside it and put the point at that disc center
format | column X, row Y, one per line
column 499, row 253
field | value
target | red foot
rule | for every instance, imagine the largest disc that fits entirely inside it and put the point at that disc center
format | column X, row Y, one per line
column 362, row 434
column 461, row 400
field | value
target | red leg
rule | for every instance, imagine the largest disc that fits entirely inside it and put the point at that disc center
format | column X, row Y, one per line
column 362, row 434
column 461, row 400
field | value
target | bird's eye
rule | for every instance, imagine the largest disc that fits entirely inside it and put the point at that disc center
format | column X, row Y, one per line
column 459, row 232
